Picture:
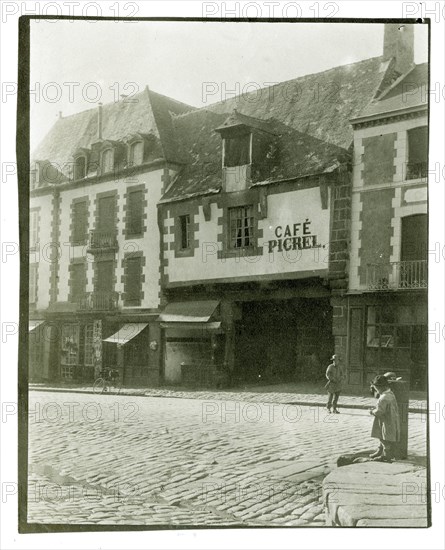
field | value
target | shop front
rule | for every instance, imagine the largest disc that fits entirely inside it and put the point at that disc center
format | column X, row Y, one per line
column 193, row 343
column 388, row 333
column 249, row 335
column 128, row 351
column 281, row 341
column 38, row 349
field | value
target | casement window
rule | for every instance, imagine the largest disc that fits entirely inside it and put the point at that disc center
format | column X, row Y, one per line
column 77, row 281
column 33, row 228
column 80, row 223
column 80, row 168
column 33, row 284
column 135, row 213
column 88, row 345
column 133, row 281
column 417, row 166
column 241, row 227
column 136, row 153
column 107, row 161
column 237, row 150
column 184, row 229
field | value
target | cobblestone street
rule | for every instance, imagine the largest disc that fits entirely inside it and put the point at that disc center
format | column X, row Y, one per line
column 108, row 459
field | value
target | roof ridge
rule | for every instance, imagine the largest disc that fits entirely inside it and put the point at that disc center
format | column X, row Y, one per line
column 172, row 99
column 295, row 79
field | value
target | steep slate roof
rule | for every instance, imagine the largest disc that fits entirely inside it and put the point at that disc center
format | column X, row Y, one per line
column 298, row 155
column 311, row 116
column 145, row 112
column 409, row 91
column 319, row 104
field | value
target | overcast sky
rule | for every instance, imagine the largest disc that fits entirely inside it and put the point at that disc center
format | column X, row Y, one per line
column 175, row 59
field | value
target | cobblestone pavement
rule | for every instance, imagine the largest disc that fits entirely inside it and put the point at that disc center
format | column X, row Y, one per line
column 108, row 459
column 349, row 401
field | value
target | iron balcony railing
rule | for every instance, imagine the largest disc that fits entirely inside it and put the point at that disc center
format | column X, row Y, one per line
column 100, row 240
column 397, row 275
column 99, row 301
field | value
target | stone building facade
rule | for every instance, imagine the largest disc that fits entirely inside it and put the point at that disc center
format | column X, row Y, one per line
column 242, row 242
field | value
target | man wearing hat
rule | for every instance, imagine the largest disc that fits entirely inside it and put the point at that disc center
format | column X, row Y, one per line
column 334, row 375
column 386, row 426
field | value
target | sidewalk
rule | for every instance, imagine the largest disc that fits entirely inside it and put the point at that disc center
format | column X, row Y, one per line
column 375, row 494
column 295, row 395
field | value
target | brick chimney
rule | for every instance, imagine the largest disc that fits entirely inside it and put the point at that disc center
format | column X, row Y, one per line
column 399, row 44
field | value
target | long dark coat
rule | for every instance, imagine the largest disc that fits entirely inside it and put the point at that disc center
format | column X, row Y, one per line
column 386, row 424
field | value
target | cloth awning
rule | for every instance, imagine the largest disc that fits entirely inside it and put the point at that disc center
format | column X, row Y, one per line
column 34, row 324
column 189, row 312
column 216, row 325
column 126, row 333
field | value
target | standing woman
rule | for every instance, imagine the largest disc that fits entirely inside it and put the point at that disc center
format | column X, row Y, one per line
column 334, row 374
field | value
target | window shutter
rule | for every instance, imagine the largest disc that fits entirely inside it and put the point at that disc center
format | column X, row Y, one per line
column 133, row 281
column 80, row 222
column 135, row 213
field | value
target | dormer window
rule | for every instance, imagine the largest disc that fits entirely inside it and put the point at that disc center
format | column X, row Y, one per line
column 136, row 153
column 237, row 150
column 80, row 168
column 107, row 161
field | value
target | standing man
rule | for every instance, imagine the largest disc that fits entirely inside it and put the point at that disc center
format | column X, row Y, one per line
column 334, row 374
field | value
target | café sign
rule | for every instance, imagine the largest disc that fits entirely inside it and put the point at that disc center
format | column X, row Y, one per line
column 295, row 236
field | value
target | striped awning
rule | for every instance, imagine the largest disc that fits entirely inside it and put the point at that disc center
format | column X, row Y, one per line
column 34, row 324
column 189, row 312
column 126, row 333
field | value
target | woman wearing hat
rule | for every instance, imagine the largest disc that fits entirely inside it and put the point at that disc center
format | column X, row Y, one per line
column 386, row 426
column 334, row 374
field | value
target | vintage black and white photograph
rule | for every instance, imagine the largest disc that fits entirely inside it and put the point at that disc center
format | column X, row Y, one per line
column 228, row 274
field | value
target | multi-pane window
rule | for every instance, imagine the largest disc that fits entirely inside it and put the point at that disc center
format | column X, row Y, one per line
column 392, row 327
column 136, row 153
column 80, row 222
column 70, row 344
column 417, row 166
column 133, row 281
column 33, row 284
column 397, row 336
column 33, row 228
column 184, row 225
column 135, row 212
column 241, row 226
column 237, row 150
column 89, row 348
column 107, row 161
column 77, row 281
